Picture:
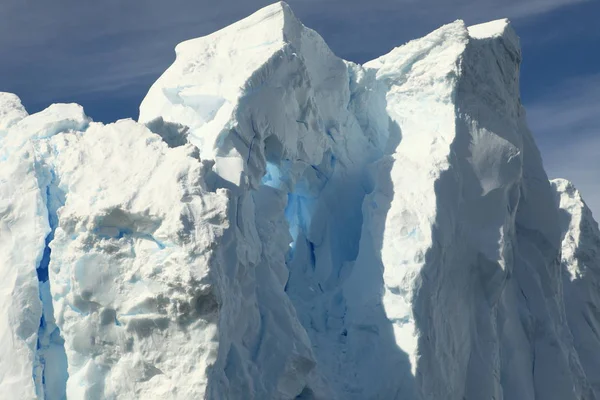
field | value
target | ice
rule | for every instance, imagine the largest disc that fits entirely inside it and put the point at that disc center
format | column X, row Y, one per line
column 581, row 276
column 489, row 29
column 11, row 111
column 128, row 283
column 23, row 228
column 281, row 223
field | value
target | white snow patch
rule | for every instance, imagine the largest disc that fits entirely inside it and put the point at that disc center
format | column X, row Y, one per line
column 489, row 29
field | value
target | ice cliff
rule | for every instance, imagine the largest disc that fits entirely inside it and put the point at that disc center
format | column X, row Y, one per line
column 284, row 224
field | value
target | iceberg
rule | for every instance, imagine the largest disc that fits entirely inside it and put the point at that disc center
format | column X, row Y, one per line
column 283, row 224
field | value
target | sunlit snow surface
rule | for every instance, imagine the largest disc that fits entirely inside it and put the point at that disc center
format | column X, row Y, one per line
column 284, row 224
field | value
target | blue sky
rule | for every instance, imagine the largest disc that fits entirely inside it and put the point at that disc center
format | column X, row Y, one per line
column 106, row 54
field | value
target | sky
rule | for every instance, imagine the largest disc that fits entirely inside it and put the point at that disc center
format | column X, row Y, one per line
column 105, row 54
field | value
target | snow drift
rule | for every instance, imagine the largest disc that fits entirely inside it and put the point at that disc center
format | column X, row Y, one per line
column 284, row 224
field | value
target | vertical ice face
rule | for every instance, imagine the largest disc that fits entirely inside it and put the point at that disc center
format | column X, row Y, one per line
column 23, row 228
column 284, row 224
column 37, row 366
column 130, row 278
column 469, row 228
column 581, row 276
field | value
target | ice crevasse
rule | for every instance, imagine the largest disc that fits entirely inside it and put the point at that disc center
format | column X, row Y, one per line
column 284, row 224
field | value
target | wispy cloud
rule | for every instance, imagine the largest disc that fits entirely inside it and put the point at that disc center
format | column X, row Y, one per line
column 567, row 127
column 523, row 9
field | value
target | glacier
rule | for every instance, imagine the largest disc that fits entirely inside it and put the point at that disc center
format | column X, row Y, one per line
column 283, row 224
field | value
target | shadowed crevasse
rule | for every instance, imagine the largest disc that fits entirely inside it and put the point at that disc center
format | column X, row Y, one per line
column 354, row 343
column 50, row 367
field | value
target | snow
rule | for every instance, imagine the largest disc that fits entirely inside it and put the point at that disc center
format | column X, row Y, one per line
column 281, row 223
column 489, row 29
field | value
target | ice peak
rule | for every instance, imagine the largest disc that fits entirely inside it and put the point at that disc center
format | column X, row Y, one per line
column 11, row 110
column 500, row 28
column 489, row 29
column 274, row 22
column 214, row 79
column 230, row 55
column 564, row 185
column 449, row 40
column 569, row 196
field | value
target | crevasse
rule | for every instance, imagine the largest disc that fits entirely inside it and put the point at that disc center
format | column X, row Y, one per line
column 50, row 367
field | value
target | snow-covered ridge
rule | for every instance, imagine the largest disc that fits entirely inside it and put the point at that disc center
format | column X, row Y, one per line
column 282, row 224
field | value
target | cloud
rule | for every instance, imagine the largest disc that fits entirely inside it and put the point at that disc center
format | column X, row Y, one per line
column 566, row 123
column 524, row 9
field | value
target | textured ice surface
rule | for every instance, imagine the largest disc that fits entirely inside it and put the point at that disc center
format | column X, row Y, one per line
column 282, row 224
column 581, row 276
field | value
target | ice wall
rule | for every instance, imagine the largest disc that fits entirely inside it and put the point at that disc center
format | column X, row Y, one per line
column 283, row 224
